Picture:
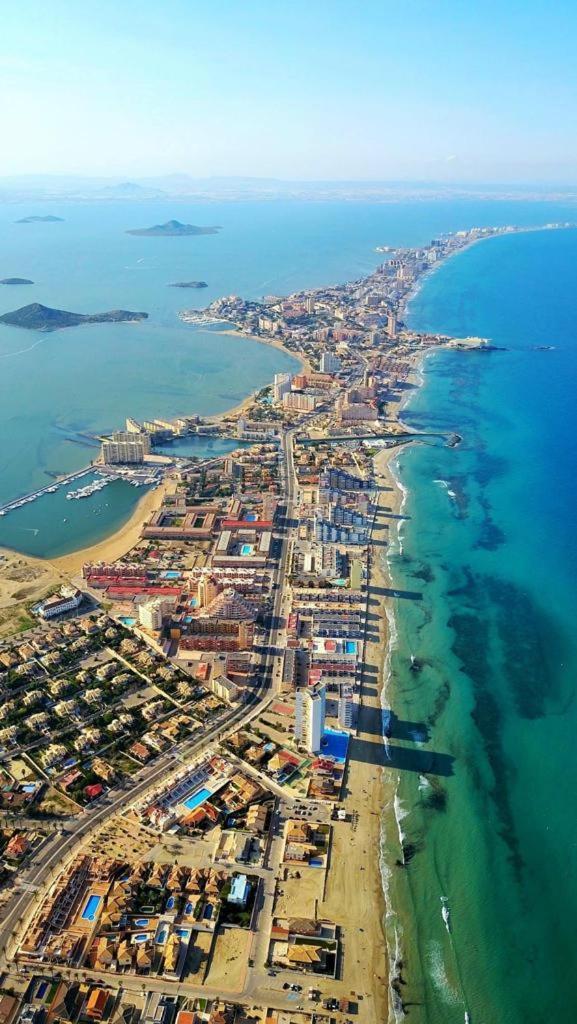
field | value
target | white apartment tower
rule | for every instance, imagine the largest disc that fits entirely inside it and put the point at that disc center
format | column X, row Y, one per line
column 329, row 363
column 310, row 717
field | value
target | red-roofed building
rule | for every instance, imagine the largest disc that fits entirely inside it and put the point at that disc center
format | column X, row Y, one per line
column 94, row 791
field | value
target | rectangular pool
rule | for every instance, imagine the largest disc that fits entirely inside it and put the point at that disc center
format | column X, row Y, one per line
column 350, row 646
column 91, row 907
column 197, row 798
column 335, row 744
column 247, row 549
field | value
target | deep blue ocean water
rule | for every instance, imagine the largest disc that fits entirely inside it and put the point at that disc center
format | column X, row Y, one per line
column 487, row 555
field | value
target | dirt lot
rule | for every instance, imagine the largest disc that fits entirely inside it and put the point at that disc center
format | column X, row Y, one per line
column 198, row 956
column 299, row 894
column 229, row 960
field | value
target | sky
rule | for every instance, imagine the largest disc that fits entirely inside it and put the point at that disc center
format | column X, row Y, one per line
column 414, row 90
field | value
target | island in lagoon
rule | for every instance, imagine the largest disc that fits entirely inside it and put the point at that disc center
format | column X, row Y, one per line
column 188, row 284
column 36, row 317
column 48, row 219
column 16, row 280
column 173, row 228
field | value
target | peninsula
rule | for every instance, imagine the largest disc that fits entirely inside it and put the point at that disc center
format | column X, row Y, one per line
column 188, row 284
column 246, row 620
column 16, row 280
column 49, row 219
column 36, row 317
column 173, row 228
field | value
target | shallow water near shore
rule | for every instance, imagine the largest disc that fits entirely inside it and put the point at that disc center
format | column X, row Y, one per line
column 486, row 559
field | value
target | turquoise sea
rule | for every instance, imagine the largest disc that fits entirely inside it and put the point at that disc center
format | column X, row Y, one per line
column 485, row 561
column 486, row 555
column 56, row 388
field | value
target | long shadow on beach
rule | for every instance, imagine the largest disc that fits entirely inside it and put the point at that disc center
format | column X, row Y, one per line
column 424, row 762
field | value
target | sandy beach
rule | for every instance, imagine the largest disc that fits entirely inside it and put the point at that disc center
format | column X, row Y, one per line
column 119, row 543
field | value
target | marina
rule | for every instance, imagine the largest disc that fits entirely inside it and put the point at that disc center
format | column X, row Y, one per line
column 134, row 477
column 11, row 506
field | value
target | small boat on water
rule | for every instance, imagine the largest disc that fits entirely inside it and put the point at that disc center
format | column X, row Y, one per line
column 416, row 665
column 446, row 913
column 467, row 1017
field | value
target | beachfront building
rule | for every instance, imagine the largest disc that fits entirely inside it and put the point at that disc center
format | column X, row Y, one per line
column 310, row 709
column 282, row 385
column 125, row 446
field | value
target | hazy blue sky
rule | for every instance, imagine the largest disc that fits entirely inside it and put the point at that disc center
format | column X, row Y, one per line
column 463, row 90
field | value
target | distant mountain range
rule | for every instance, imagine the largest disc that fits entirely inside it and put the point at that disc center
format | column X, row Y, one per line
column 188, row 187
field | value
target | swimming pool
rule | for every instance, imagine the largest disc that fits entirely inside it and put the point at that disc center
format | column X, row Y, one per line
column 141, row 937
column 127, row 620
column 197, row 798
column 141, row 922
column 247, row 549
column 91, row 907
column 171, row 574
column 183, row 933
column 335, row 744
column 350, row 646
column 170, row 903
column 188, row 908
column 161, row 935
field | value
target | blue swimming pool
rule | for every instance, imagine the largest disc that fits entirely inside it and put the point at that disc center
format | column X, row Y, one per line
column 141, row 937
column 91, row 907
column 170, row 903
column 335, row 744
column 197, row 798
column 161, row 935
column 350, row 646
column 171, row 574
column 188, row 908
column 127, row 620
column 141, row 922
column 247, row 549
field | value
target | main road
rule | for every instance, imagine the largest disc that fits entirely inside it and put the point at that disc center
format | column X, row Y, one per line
column 54, row 853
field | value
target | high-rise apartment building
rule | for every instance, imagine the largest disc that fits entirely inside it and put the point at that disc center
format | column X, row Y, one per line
column 310, row 708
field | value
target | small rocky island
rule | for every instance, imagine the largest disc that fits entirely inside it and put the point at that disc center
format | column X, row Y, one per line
column 16, row 280
column 49, row 219
column 37, row 317
column 173, row 228
column 188, row 284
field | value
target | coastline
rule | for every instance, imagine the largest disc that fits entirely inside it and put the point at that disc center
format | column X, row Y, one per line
column 387, row 837
column 117, row 544
column 424, row 277
column 272, row 343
